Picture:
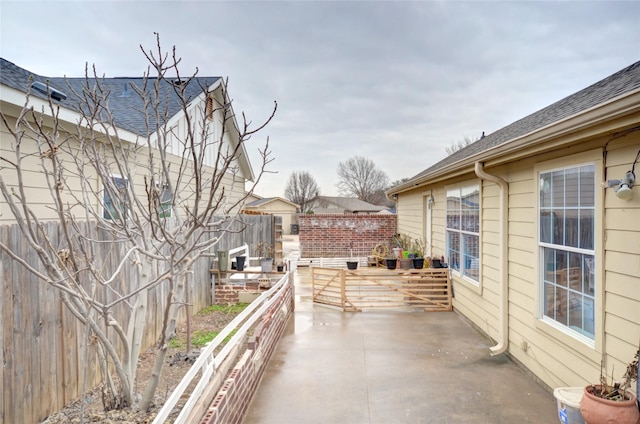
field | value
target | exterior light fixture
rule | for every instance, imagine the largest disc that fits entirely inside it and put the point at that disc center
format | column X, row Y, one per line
column 623, row 187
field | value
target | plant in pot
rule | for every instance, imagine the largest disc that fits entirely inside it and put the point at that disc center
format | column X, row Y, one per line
column 265, row 251
column 437, row 262
column 391, row 260
column 351, row 263
column 609, row 401
column 419, row 250
column 401, row 243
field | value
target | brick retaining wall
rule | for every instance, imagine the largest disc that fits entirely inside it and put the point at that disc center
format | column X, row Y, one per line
column 231, row 403
column 332, row 235
column 229, row 294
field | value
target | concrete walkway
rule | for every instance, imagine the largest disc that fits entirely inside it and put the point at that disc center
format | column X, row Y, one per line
column 391, row 367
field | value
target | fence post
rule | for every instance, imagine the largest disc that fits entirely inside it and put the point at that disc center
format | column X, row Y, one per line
column 343, row 294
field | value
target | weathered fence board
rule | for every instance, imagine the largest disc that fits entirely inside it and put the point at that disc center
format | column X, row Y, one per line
column 45, row 352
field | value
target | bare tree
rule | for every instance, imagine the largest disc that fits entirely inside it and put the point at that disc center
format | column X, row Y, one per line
column 461, row 144
column 397, row 182
column 301, row 189
column 359, row 177
column 160, row 210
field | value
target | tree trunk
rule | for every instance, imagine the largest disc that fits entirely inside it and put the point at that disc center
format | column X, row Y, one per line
column 135, row 332
column 174, row 306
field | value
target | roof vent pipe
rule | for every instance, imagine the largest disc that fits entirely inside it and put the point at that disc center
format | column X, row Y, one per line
column 503, row 338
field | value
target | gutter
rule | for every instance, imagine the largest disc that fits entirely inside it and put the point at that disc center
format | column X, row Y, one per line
column 503, row 338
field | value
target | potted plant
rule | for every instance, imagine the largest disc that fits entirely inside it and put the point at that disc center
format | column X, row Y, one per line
column 400, row 244
column 351, row 263
column 419, row 250
column 406, row 263
column 265, row 251
column 610, row 401
column 437, row 262
column 391, row 261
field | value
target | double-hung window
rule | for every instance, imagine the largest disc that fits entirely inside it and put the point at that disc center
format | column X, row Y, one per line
column 566, row 243
column 463, row 230
column 114, row 198
column 164, row 208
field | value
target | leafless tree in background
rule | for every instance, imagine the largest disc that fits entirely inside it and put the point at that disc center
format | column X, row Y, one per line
column 361, row 178
column 161, row 211
column 461, row 144
column 301, row 189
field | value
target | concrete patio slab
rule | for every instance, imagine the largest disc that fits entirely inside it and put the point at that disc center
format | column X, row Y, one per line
column 391, row 367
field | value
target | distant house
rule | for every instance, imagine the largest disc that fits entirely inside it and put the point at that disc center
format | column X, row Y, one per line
column 326, row 204
column 125, row 105
column 252, row 198
column 275, row 206
column 544, row 252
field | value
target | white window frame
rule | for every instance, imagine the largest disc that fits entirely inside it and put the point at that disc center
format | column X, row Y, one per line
column 575, row 282
column 459, row 266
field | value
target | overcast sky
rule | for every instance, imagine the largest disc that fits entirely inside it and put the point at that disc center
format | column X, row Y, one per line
column 395, row 82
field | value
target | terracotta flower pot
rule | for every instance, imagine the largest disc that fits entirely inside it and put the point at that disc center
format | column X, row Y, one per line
column 596, row 410
column 406, row 263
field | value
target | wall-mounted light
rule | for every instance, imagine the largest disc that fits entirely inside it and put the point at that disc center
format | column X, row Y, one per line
column 429, row 202
column 623, row 187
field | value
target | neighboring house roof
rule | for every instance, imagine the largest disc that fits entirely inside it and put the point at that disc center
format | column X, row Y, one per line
column 124, row 103
column 620, row 83
column 267, row 200
column 344, row 205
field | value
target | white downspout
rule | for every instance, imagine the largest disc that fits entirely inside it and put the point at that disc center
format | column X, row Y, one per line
column 503, row 338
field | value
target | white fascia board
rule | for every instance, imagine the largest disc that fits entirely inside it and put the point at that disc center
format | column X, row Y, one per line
column 18, row 99
column 243, row 157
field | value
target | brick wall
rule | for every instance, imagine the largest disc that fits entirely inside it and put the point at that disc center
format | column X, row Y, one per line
column 229, row 294
column 232, row 400
column 333, row 235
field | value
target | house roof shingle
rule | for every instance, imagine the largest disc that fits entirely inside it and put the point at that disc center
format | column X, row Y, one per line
column 124, row 102
column 623, row 81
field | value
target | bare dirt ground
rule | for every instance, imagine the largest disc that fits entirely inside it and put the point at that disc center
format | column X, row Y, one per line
column 177, row 364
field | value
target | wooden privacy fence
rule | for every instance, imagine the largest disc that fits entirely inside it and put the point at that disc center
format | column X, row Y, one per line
column 43, row 348
column 369, row 288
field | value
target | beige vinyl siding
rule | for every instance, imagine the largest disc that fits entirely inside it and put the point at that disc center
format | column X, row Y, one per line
column 35, row 184
column 411, row 214
column 622, row 254
column 40, row 197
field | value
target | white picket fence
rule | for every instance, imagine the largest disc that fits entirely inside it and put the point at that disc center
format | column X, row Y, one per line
column 208, row 365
